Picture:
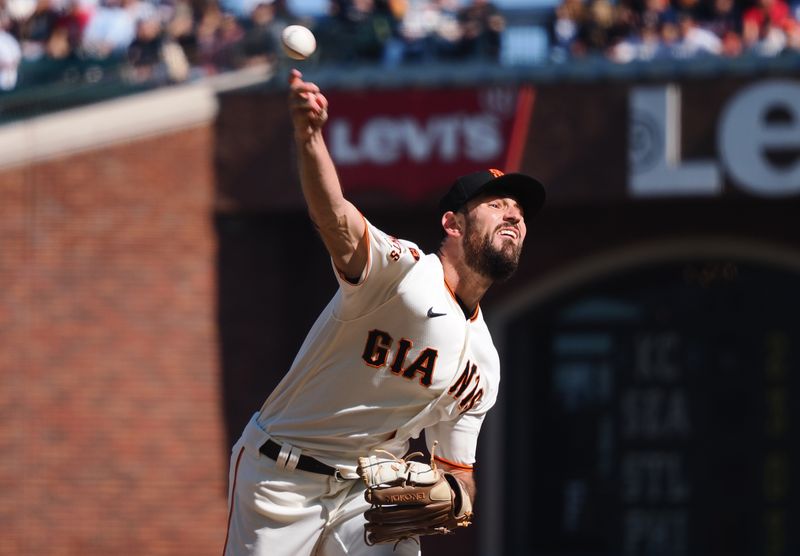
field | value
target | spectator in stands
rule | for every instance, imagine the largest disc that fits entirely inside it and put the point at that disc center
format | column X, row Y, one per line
column 658, row 12
column 765, row 38
column 144, row 53
column 220, row 41
column 10, row 55
column 428, row 31
column 155, row 55
column 602, row 30
column 111, row 29
column 670, row 36
column 482, row 26
column 181, row 30
column 641, row 45
column 694, row 40
column 766, row 27
column 627, row 19
column 448, row 32
column 65, row 39
column 356, row 31
column 58, row 46
column 415, row 30
column 725, row 21
column 261, row 42
column 722, row 17
column 732, row 45
column 569, row 17
column 372, row 23
column 330, row 32
column 34, row 31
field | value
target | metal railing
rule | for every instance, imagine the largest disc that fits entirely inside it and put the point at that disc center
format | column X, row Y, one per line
column 46, row 87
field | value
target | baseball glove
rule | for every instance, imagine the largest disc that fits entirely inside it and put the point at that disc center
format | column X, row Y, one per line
column 409, row 499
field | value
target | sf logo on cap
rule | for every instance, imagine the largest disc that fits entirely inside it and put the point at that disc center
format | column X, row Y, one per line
column 495, row 172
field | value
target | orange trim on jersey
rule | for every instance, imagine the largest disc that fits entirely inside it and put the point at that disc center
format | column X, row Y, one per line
column 233, row 494
column 369, row 257
column 455, row 298
column 519, row 132
column 453, row 464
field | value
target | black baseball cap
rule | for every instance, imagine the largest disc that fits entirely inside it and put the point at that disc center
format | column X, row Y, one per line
column 528, row 191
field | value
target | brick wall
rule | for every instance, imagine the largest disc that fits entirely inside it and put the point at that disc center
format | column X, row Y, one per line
column 111, row 428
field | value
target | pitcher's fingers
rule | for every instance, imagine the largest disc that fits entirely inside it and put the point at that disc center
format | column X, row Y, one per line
column 296, row 84
column 304, row 102
column 294, row 75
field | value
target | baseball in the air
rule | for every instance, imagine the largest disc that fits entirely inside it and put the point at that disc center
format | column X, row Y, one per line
column 298, row 42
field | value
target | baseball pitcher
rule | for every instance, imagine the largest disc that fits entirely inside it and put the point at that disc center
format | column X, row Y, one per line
column 401, row 348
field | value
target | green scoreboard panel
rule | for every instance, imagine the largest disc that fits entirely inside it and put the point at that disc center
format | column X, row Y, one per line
column 656, row 413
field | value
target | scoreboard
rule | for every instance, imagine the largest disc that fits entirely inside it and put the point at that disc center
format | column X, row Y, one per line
column 655, row 412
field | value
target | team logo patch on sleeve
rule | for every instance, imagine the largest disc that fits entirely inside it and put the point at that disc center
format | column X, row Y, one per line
column 397, row 248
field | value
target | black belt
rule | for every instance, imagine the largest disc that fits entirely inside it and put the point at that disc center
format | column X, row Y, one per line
column 272, row 449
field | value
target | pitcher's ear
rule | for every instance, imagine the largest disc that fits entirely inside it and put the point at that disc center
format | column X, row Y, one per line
column 451, row 224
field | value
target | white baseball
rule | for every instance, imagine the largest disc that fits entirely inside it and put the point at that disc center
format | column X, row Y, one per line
column 298, row 42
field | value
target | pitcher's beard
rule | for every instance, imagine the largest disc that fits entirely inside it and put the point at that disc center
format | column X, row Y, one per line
column 487, row 260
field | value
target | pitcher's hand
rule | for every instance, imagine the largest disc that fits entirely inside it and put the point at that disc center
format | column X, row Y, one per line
column 308, row 107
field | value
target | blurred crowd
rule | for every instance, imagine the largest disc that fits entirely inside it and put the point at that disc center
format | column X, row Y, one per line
column 169, row 40
column 176, row 40
column 628, row 30
column 402, row 31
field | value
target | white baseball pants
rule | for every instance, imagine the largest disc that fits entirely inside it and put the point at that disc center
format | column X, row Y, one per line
column 276, row 511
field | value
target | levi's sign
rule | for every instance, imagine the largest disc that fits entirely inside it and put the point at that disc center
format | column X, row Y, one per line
column 758, row 143
column 409, row 144
column 447, row 137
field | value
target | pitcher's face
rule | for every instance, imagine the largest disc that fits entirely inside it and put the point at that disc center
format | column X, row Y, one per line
column 494, row 231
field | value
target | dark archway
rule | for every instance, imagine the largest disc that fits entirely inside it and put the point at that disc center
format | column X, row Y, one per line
column 651, row 406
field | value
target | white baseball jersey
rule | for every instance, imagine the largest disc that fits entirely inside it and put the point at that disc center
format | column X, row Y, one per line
column 389, row 356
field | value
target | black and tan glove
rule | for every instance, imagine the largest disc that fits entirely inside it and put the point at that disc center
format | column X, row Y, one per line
column 410, row 499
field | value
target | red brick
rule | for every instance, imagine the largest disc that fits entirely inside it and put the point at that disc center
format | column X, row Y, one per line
column 112, row 434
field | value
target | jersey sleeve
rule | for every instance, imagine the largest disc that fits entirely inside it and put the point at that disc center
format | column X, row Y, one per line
column 458, row 438
column 389, row 260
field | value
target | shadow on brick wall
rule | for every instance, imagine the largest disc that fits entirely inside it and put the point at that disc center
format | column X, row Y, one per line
column 272, row 281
